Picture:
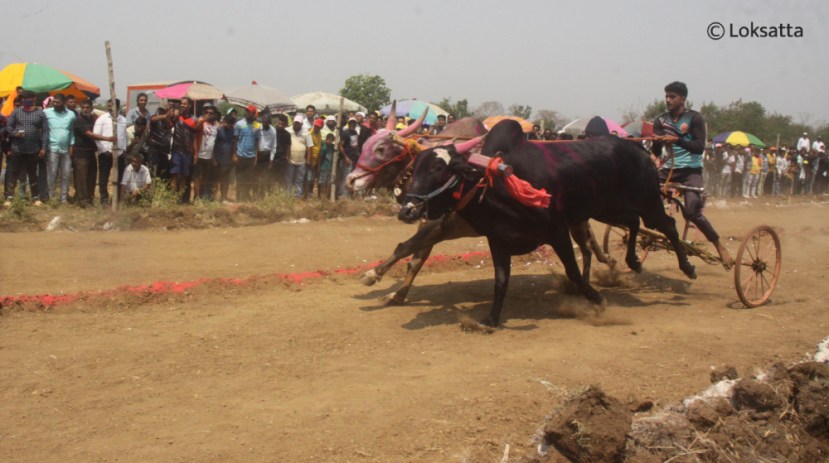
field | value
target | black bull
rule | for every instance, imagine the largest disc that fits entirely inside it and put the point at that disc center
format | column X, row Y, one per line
column 608, row 179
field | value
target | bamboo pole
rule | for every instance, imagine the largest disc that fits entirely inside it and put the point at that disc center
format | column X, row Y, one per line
column 113, row 174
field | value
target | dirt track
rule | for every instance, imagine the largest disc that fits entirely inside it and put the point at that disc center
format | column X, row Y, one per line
column 323, row 372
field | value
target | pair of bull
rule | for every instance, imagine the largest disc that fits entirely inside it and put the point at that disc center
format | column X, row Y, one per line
column 607, row 179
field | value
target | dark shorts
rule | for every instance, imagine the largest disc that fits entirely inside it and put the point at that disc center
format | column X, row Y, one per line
column 180, row 163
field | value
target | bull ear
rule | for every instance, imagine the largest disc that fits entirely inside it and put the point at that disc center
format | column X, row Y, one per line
column 460, row 165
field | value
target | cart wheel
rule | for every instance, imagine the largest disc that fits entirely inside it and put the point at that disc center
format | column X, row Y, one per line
column 758, row 266
column 615, row 245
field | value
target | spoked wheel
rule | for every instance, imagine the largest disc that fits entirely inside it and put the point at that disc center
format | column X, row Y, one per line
column 758, row 266
column 615, row 245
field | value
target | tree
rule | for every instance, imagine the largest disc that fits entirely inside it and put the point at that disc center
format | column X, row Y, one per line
column 653, row 109
column 521, row 111
column 458, row 109
column 367, row 90
column 489, row 108
column 630, row 114
column 551, row 119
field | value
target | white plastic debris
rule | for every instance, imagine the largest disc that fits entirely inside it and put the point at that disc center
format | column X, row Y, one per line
column 53, row 224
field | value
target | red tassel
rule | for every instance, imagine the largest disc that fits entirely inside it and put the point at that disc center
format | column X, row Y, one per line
column 521, row 190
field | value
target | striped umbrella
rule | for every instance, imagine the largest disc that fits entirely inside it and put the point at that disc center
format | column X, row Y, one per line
column 738, row 137
column 40, row 78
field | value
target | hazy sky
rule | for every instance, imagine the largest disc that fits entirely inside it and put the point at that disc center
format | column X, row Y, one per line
column 577, row 58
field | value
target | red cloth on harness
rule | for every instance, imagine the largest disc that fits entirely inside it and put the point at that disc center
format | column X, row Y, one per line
column 520, row 189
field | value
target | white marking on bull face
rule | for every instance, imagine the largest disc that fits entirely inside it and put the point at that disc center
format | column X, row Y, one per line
column 443, row 155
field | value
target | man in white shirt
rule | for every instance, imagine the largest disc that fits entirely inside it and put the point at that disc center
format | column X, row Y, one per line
column 818, row 145
column 298, row 157
column 265, row 154
column 803, row 142
column 103, row 127
column 136, row 183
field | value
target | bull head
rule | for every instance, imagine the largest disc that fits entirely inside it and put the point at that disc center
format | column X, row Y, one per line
column 374, row 168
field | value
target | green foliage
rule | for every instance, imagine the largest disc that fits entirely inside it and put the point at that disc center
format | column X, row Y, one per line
column 653, row 109
column 163, row 195
column 489, row 108
column 524, row 112
column 368, row 90
column 551, row 119
column 458, row 109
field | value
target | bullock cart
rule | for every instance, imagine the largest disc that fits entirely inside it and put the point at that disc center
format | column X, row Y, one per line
column 757, row 263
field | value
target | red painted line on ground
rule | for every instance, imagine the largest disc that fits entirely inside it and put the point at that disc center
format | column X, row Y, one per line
column 170, row 287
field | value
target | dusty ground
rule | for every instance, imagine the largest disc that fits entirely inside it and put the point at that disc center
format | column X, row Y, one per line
column 323, row 372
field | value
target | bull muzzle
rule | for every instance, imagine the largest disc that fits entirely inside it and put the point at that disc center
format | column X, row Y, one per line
column 411, row 212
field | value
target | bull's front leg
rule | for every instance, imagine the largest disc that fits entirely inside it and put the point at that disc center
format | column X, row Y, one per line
column 420, row 245
column 501, row 261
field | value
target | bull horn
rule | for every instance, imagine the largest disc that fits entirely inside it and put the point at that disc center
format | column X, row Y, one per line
column 465, row 147
column 413, row 128
column 392, row 116
column 397, row 139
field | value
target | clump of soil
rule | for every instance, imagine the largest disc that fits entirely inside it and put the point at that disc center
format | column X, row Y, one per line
column 781, row 416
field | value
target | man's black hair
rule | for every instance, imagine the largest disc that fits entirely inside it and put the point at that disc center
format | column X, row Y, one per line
column 60, row 97
column 283, row 118
column 140, row 95
column 312, row 107
column 677, row 87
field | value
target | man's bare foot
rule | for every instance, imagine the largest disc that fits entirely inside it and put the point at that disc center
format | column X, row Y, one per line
column 725, row 256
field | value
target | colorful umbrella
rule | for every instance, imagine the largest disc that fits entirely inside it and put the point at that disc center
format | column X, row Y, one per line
column 578, row 126
column 40, row 78
column 414, row 108
column 639, row 129
column 739, row 138
column 325, row 103
column 261, row 97
column 526, row 125
column 191, row 89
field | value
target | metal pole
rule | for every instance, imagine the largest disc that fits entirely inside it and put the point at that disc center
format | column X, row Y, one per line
column 114, row 112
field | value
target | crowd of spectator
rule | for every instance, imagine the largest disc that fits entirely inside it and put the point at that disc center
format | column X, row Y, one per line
column 750, row 172
column 61, row 146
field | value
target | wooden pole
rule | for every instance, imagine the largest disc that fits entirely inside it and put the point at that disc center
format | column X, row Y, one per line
column 114, row 112
column 337, row 151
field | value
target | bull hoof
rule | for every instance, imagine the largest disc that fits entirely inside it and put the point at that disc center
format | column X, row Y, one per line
column 370, row 277
column 594, row 297
column 571, row 287
column 392, row 299
column 488, row 321
column 635, row 265
column 689, row 270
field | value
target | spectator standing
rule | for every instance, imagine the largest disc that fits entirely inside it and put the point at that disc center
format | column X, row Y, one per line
column 283, row 146
column 223, row 156
column 818, row 146
column 739, row 167
column 300, row 155
column 160, row 141
column 61, row 138
column 326, row 165
column 246, row 135
column 312, row 172
column 84, row 163
column 310, row 117
column 139, row 111
column 803, row 142
column 29, row 132
column 754, row 172
column 727, row 173
column 184, row 152
column 440, row 124
column 104, row 129
column 72, row 104
column 265, row 156
column 349, row 143
column 781, row 168
column 205, row 163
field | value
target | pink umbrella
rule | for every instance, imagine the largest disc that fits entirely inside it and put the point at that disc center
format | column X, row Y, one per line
column 612, row 126
column 193, row 89
column 578, row 126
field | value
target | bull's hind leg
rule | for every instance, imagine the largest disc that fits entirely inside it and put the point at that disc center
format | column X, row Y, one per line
column 564, row 249
column 631, row 257
column 581, row 234
column 667, row 226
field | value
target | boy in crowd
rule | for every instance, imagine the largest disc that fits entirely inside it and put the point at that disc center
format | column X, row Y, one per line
column 326, row 165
